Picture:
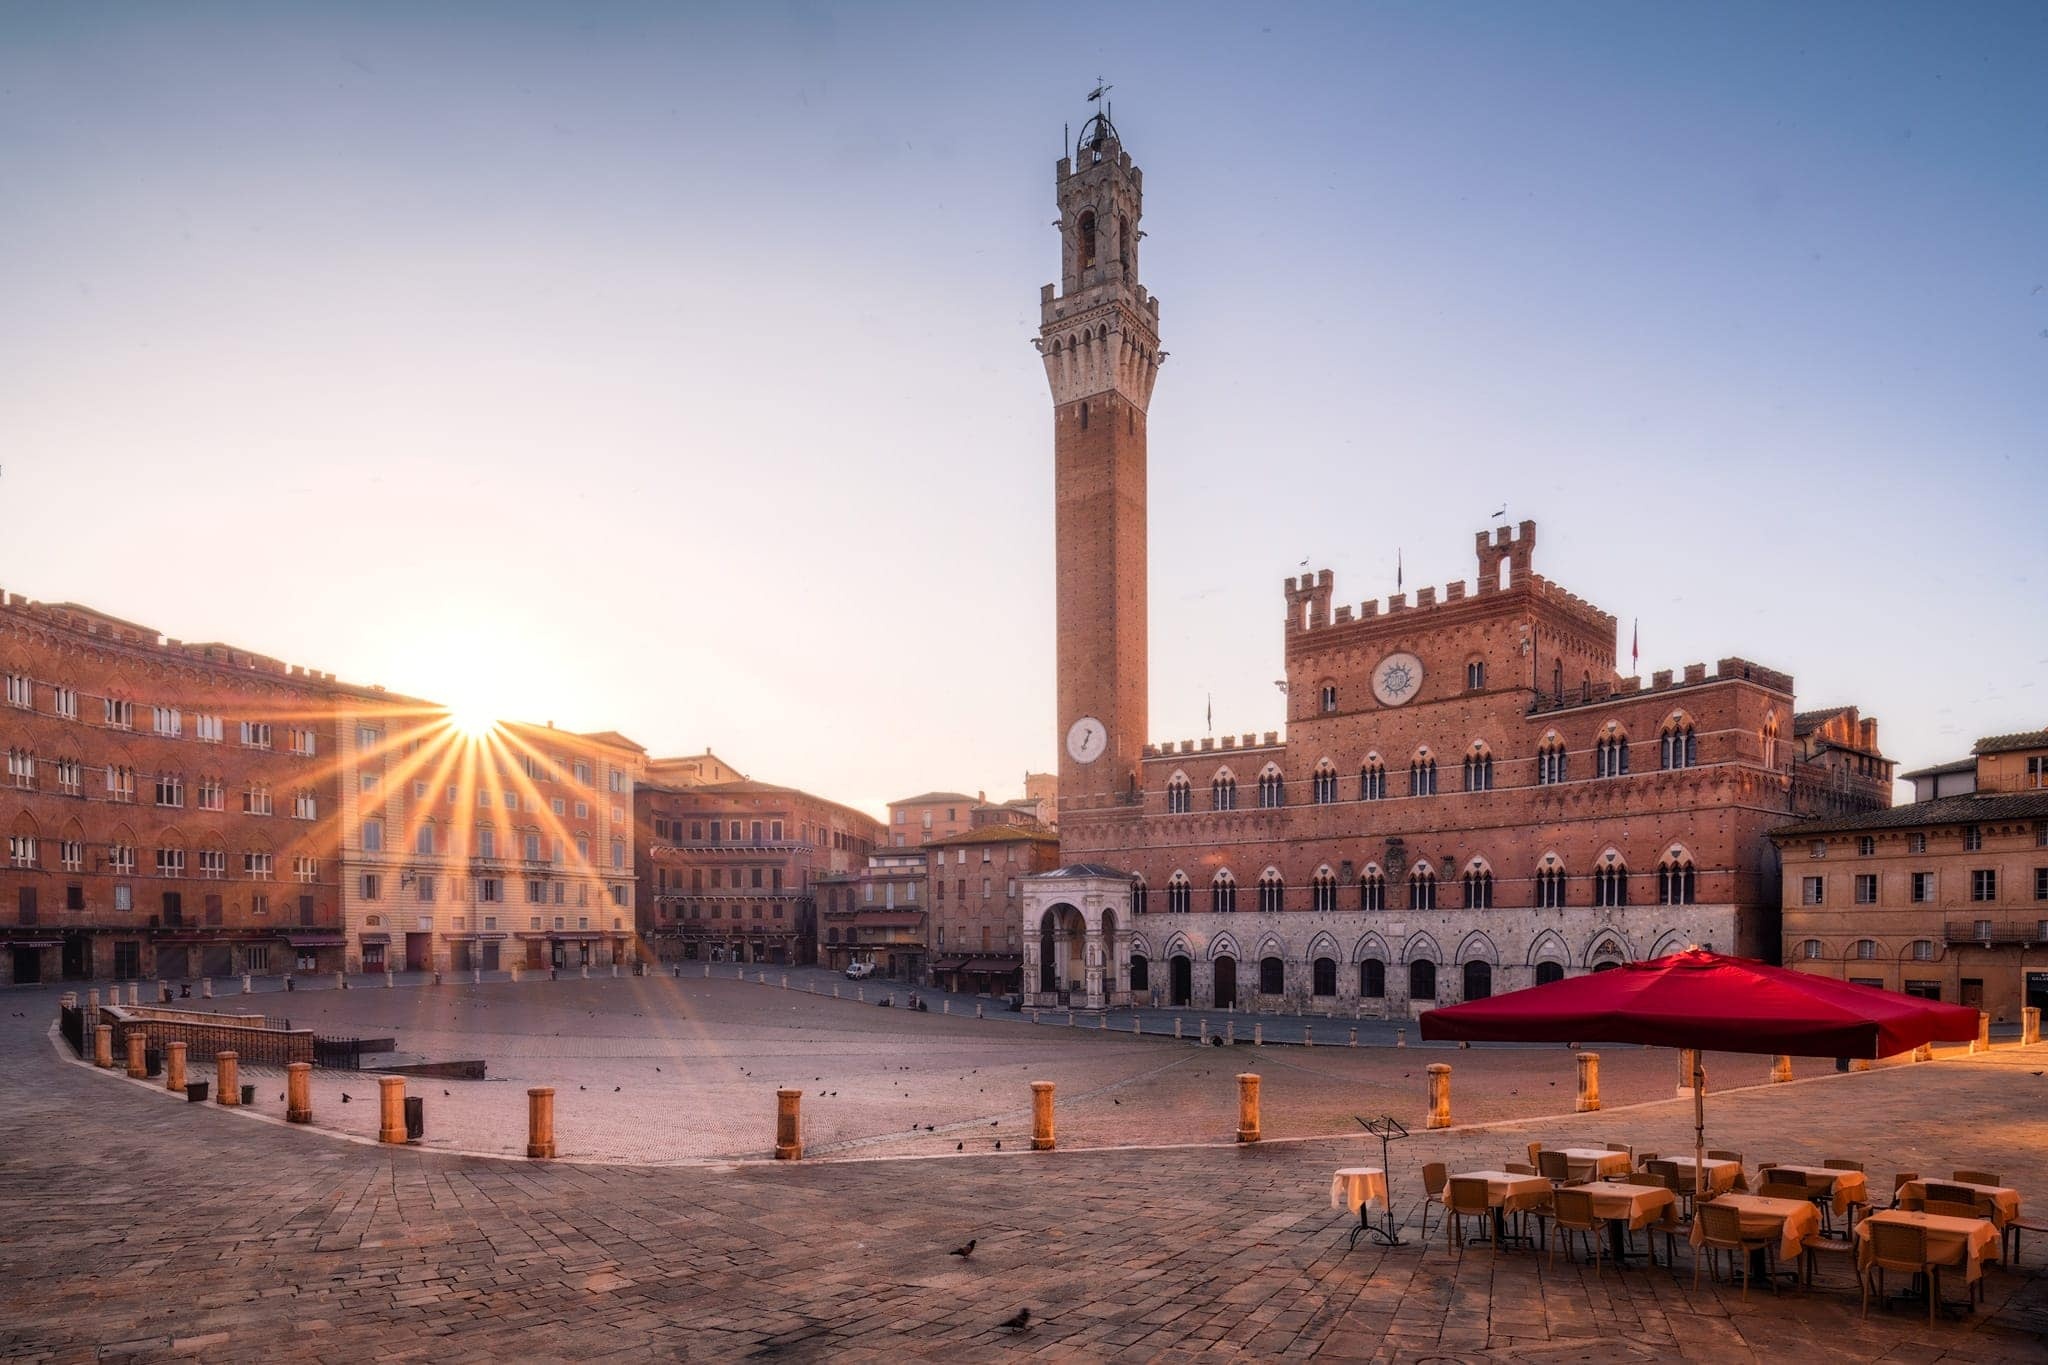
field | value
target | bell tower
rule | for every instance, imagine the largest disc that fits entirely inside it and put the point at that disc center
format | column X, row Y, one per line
column 1099, row 337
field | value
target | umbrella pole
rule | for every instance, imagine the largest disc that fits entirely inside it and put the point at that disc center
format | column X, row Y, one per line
column 1699, row 1131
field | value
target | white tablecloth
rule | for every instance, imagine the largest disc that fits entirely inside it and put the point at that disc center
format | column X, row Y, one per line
column 1357, row 1187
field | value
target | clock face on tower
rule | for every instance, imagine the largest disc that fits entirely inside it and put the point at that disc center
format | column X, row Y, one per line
column 1397, row 678
column 1086, row 739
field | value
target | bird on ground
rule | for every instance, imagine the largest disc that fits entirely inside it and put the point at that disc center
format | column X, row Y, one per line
column 583, row 1087
column 444, row 1092
column 959, row 1146
column 999, row 1144
column 966, row 1250
column 1018, row 1323
column 615, row 1090
column 344, row 1097
column 1114, row 1100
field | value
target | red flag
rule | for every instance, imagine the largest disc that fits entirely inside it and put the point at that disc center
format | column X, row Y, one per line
column 1635, row 645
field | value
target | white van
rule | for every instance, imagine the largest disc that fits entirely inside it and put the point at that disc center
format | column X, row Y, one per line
column 858, row 970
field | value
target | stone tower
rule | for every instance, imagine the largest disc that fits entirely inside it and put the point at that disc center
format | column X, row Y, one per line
column 1099, row 336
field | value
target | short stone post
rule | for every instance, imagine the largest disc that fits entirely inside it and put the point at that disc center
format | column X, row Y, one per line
column 1041, row 1116
column 476, row 976
column 1176, row 1028
column 174, row 1068
column 540, row 1121
column 1781, row 1070
column 1352, row 1041
column 945, row 1006
column 707, row 971
column 1982, row 1042
column 1308, row 1039
column 391, row 982
column 163, row 992
column 1247, row 1106
column 1101, row 1022
column 977, row 1009
column 1924, row 1053
column 92, row 1002
column 341, row 981
column 391, row 1109
column 615, row 971
column 860, row 993
column 1400, row 1037
column 1439, row 1095
column 1070, row 1018
column 1137, row 1026
column 2030, row 1025
column 1258, row 1035
column 134, row 993
column 835, row 990
column 1859, row 1064
column 1589, row 1082
column 138, row 1062
column 1034, row 1016
column 247, row 984
column 1688, row 1061
column 68, row 1000
column 298, row 1092
column 788, row 1145
column 103, row 1046
column 227, row 1078
column 785, row 981
column 585, row 971
column 206, row 988
column 1205, row 1032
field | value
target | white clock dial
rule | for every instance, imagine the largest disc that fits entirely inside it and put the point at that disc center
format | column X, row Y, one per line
column 1397, row 678
column 1086, row 739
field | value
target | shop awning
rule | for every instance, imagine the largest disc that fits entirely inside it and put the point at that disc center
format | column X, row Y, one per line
column 318, row 940
column 993, row 964
column 373, row 938
column 867, row 920
column 35, row 943
column 947, row 964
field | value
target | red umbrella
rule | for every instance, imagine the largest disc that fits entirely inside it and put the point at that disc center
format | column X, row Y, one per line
column 1701, row 1000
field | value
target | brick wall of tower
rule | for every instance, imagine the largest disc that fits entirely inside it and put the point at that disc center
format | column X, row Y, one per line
column 1099, row 492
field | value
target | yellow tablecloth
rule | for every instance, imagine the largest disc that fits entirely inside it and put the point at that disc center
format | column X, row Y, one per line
column 1846, row 1187
column 1356, row 1187
column 1637, row 1205
column 1505, row 1190
column 1968, row 1242
column 1791, row 1221
column 1591, row 1163
column 1722, row 1176
column 1995, row 1202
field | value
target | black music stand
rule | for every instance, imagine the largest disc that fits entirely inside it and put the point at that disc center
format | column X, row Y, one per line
column 1388, row 1130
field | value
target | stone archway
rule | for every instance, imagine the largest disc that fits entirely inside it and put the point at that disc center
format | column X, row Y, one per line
column 1182, row 980
column 1226, row 983
column 1062, row 954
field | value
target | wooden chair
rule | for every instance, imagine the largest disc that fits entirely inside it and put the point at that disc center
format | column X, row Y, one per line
column 1535, row 1148
column 1554, row 1167
column 1950, row 1208
column 2013, row 1228
column 1977, row 1178
column 1717, row 1154
column 1433, row 1177
column 1813, row 1248
column 1900, row 1246
column 1941, row 1192
column 1900, row 1180
column 1643, row 1158
column 1519, row 1168
column 1720, row 1227
column 1785, row 1189
column 1469, row 1199
column 1620, row 1147
column 1572, row 1207
column 1838, row 1164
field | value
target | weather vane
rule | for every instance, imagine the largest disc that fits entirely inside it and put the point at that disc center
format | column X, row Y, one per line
column 1101, row 88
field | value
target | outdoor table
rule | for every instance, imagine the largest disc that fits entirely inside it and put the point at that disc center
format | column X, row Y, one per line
column 1592, row 1163
column 1968, row 1242
column 1996, row 1202
column 1632, row 1207
column 1722, row 1176
column 1505, row 1193
column 1847, row 1187
column 1358, row 1188
column 1791, row 1221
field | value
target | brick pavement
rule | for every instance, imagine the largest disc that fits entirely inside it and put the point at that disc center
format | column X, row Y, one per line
column 142, row 1227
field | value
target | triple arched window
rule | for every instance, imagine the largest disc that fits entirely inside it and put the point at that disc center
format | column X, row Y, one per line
column 1179, row 894
column 1610, row 884
column 1479, row 769
column 1550, row 761
column 1372, row 781
column 1422, row 889
column 1372, row 889
column 1272, row 892
column 1676, row 880
column 1138, row 895
column 1324, row 787
column 1610, row 755
column 1180, row 795
column 1272, row 789
column 1550, row 886
column 1478, row 889
column 1680, row 747
column 1223, row 893
column 1422, row 775
column 1323, row 890
column 1223, row 792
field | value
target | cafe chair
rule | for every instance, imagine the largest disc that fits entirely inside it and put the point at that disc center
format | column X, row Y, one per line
column 1949, row 1208
column 1554, row 1167
column 1573, row 1210
column 1433, row 1177
column 1620, row 1147
column 1903, row 1247
column 1717, row 1154
column 1785, row 1189
column 1813, row 1248
column 1643, row 1158
column 1839, row 1164
column 1519, row 1168
column 1535, row 1150
column 1468, row 1200
column 1900, row 1180
column 1977, row 1178
column 1941, row 1192
column 2013, row 1228
column 1720, row 1227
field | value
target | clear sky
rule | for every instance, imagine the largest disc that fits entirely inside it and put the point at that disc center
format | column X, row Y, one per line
column 664, row 368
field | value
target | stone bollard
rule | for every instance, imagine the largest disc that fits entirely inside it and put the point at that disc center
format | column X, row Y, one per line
column 1982, row 1042
column 1400, row 1037
column 1041, row 1116
column 298, row 1092
column 1137, row 1027
column 1589, row 1082
column 788, row 1145
column 977, row 1010
column 615, row 971
column 1230, row 1032
column 1924, row 1053
column 163, row 992
column 1307, row 1038
column 247, row 984
column 1034, row 1016
column 134, row 994
column 785, row 981
column 391, row 982
column 68, row 1000
column 206, row 988
column 103, row 1046
column 1781, row 1070
column 2030, row 1025
column 1176, row 1028
column 341, row 981
column 92, row 1002
column 835, row 990
column 540, row 1121
column 860, row 993
column 1688, row 1061
column 174, row 1068
column 1205, row 1032
column 227, row 1078
column 1070, row 1018
column 391, row 1109
column 707, row 971
column 585, row 972
column 476, row 976
column 1859, row 1064
column 1352, row 1041
column 1247, row 1106
column 138, row 1060
column 945, row 1007
column 1439, row 1095
column 1258, row 1035
column 1101, row 1022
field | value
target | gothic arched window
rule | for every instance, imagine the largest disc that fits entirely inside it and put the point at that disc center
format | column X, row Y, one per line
column 1550, row 761
column 1422, row 889
column 1680, row 747
column 1372, row 889
column 1610, row 884
column 1272, row 892
column 1272, row 789
column 1422, row 774
column 1676, row 879
column 1479, row 768
column 1223, row 792
column 1138, row 895
column 1223, row 893
column 1610, row 755
column 1372, row 979
column 1550, row 886
column 1324, row 789
column 1323, row 888
column 1180, row 795
column 1084, row 258
column 1478, row 889
column 1372, row 781
column 1547, row 972
column 1272, row 976
column 1179, row 894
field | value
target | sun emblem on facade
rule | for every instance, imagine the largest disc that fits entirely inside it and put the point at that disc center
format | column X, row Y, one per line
column 1397, row 679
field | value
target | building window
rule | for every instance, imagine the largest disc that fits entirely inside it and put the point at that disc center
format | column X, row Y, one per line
column 170, row 862
column 1610, row 756
column 167, row 721
column 373, row 836
column 1272, row 892
column 1272, row 976
column 1478, row 889
column 1923, row 950
column 119, row 714
column 1866, row 888
column 2041, row 883
column 1479, row 769
column 1866, row 846
column 1923, row 887
column 1372, row 889
column 424, row 889
column 1422, row 980
column 1610, row 884
column 70, row 777
column 1180, row 795
column 1422, row 776
column 1973, row 839
column 1223, row 893
column 1272, row 789
column 1810, row 949
column 255, row 735
column 1866, row 949
column 1223, row 792
column 1916, row 843
column 490, row 889
column 256, row 799
column 1323, row 890
column 21, row 691
column 1550, row 885
column 1179, row 894
column 1372, row 781
column 1372, row 979
column 1551, row 762
column 1679, row 746
column 21, row 768
column 72, row 851
column 1329, row 698
column 1812, row 890
column 372, row 886
column 21, row 850
column 1676, row 881
column 1984, row 884
column 1422, row 889
column 1475, row 676
column 301, row 741
column 1323, row 790
column 66, row 702
column 1138, row 897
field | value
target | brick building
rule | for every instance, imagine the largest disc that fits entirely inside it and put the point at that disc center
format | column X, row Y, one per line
column 977, row 900
column 933, row 815
column 1468, row 796
column 877, row 913
column 1945, row 897
column 170, row 807
column 728, row 871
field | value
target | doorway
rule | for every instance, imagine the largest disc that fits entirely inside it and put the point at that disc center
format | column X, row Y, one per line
column 1973, row 992
column 78, row 956
column 1226, row 983
column 1182, row 983
column 28, row 966
column 490, row 957
column 419, row 950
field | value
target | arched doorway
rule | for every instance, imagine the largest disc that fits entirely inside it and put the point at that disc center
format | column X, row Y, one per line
column 1372, row 979
column 1478, row 980
column 1547, row 972
column 1062, row 952
column 1182, row 972
column 1141, row 973
column 1325, row 982
column 1226, row 982
column 1422, row 980
column 1112, row 981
